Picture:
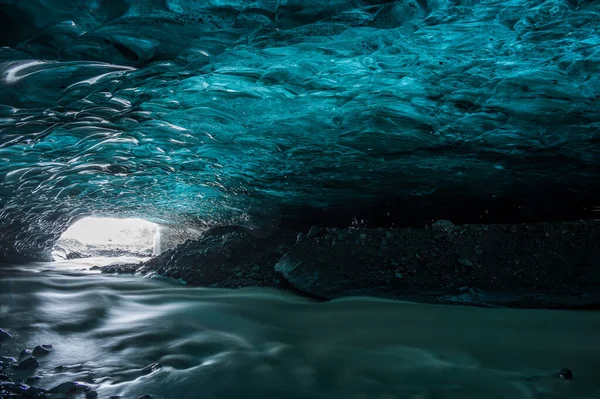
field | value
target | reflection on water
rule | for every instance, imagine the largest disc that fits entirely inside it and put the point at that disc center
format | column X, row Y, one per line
column 258, row 343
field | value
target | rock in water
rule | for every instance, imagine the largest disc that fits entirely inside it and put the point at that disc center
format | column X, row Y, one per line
column 6, row 360
column 41, row 350
column 33, row 380
column 91, row 395
column 28, row 364
column 25, row 353
column 4, row 335
column 35, row 392
column 64, row 388
column 17, row 388
column 565, row 374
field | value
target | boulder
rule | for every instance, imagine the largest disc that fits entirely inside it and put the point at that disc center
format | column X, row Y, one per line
column 28, row 364
column 4, row 335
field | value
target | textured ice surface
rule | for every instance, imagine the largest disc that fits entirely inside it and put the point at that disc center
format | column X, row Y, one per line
column 186, row 111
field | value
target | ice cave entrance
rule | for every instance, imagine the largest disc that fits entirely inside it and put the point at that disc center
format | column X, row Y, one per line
column 111, row 237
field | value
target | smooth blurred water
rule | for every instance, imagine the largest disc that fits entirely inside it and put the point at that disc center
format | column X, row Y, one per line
column 259, row 343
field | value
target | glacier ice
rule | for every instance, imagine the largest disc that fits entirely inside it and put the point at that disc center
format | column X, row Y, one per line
column 205, row 111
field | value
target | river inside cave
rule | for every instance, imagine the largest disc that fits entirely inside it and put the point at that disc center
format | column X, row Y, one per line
column 259, row 343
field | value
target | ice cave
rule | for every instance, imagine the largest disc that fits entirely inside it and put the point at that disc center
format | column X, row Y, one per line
column 319, row 199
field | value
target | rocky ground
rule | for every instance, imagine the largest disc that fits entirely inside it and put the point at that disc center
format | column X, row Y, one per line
column 531, row 265
column 553, row 265
column 20, row 376
column 224, row 257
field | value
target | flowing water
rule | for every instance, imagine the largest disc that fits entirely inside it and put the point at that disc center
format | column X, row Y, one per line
column 259, row 343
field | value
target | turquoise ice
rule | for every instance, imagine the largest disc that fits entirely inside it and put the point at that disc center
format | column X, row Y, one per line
column 280, row 112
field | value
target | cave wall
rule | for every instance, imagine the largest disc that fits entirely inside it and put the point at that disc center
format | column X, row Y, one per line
column 304, row 112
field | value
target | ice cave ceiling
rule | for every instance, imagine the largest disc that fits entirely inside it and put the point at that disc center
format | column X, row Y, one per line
column 292, row 112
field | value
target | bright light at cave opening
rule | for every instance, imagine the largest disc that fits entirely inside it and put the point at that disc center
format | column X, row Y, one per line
column 93, row 236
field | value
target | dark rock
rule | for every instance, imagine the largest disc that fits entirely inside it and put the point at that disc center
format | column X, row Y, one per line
column 4, row 335
column 33, row 380
column 25, row 353
column 151, row 368
column 421, row 259
column 315, row 231
column 42, row 350
column 64, row 388
column 129, row 268
column 565, row 374
column 13, row 387
column 4, row 377
column 75, row 255
column 34, row 392
column 91, row 395
column 6, row 360
column 28, row 364
column 444, row 227
column 145, row 397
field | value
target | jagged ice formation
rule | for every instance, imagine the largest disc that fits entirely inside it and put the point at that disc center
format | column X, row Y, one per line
column 289, row 112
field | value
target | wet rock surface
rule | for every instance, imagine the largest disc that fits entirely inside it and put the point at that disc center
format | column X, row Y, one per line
column 42, row 350
column 565, row 374
column 7, row 360
column 554, row 265
column 64, row 388
column 28, row 364
column 4, row 335
column 12, row 385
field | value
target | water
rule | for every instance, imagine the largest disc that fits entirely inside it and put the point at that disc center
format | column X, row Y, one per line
column 259, row 343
